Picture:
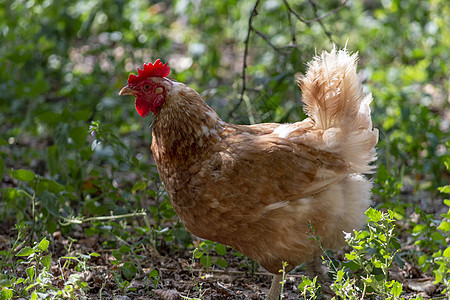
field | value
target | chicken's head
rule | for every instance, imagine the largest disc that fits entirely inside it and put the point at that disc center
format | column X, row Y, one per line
column 149, row 87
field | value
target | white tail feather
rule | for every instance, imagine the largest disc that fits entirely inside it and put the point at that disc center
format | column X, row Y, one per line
column 334, row 99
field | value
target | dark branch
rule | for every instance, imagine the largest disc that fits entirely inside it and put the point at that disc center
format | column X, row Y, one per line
column 292, row 27
column 244, row 67
column 327, row 33
column 300, row 18
column 278, row 49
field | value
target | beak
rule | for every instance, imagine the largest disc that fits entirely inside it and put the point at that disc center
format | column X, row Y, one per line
column 127, row 91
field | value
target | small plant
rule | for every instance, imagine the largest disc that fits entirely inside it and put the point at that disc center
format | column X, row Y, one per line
column 37, row 283
column 345, row 286
column 283, row 279
column 203, row 252
column 154, row 277
column 374, row 251
column 428, row 238
column 442, row 257
column 309, row 288
column 43, row 194
column 246, row 263
column 38, row 279
column 367, row 269
column 38, row 275
column 123, row 258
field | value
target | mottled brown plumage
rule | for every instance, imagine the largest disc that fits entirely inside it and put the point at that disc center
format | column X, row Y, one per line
column 257, row 188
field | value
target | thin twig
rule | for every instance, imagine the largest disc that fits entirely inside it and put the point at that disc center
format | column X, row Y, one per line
column 102, row 218
column 292, row 27
column 300, row 18
column 244, row 67
column 278, row 49
column 327, row 33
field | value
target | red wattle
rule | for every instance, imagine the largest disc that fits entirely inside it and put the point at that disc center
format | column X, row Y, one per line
column 142, row 107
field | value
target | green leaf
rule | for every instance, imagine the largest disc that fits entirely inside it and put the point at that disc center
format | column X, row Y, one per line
column 444, row 226
column 124, row 249
column 438, row 276
column 445, row 189
column 23, row 175
column 339, row 275
column 446, row 252
column 373, row 215
column 305, row 283
column 351, row 256
column 50, row 202
column 396, row 289
column 4, row 282
column 352, row 265
column 78, row 135
column 117, row 255
column 382, row 174
column 6, row 294
column 422, row 259
column 43, row 245
column 53, row 159
column 437, row 236
column 51, row 224
column 27, row 251
column 419, row 228
column 221, row 262
column 129, row 270
column 50, row 118
column 206, row 261
column 220, row 249
column 82, row 115
column 30, row 273
column 46, row 261
column 154, row 277
column 153, row 273
column 140, row 185
column 34, row 295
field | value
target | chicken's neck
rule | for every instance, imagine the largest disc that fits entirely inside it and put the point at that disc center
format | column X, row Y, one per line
column 184, row 129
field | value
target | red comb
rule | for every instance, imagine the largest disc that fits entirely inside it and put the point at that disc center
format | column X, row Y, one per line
column 157, row 69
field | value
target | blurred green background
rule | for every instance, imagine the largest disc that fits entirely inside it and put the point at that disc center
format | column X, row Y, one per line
column 70, row 147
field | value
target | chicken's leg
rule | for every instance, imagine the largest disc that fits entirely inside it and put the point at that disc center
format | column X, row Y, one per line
column 316, row 268
column 275, row 288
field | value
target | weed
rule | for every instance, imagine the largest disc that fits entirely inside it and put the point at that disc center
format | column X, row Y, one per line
column 441, row 258
column 309, row 289
column 154, row 277
column 374, row 251
column 283, row 279
column 203, row 252
column 38, row 281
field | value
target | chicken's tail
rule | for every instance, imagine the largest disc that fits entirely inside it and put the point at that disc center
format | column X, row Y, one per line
column 334, row 100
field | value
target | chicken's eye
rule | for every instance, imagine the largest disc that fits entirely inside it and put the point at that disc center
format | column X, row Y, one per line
column 147, row 87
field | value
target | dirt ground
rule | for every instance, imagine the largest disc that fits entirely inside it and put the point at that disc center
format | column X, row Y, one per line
column 180, row 277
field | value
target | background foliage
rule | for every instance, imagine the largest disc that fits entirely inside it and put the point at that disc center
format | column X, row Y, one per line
column 73, row 153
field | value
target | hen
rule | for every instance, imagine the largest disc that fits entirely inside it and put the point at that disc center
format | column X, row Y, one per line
column 259, row 188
